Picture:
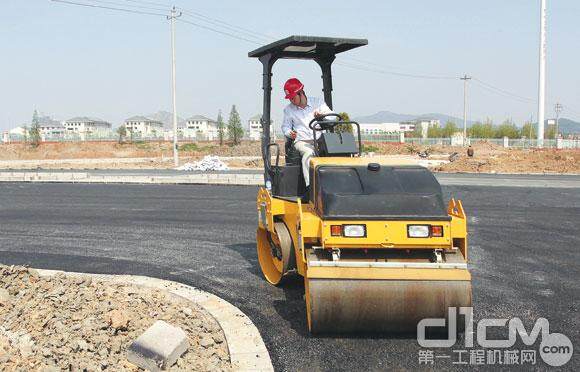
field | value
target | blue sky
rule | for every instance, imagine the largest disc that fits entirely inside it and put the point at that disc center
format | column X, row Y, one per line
column 67, row 61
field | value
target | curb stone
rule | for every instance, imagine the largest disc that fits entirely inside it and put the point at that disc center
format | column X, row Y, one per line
column 245, row 345
column 257, row 179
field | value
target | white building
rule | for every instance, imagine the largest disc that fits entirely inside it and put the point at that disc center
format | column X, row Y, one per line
column 385, row 128
column 425, row 124
column 201, row 127
column 19, row 131
column 86, row 126
column 255, row 128
column 50, row 128
column 143, row 126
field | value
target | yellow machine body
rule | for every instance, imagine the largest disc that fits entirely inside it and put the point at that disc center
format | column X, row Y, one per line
column 382, row 282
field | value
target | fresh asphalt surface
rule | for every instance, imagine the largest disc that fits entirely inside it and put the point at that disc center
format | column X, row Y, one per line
column 524, row 258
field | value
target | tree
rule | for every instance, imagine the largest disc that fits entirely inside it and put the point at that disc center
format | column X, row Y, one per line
column 221, row 128
column 550, row 132
column 449, row 130
column 122, row 132
column 35, row 130
column 507, row 129
column 235, row 130
column 25, row 133
column 481, row 130
column 528, row 130
column 434, row 131
column 344, row 128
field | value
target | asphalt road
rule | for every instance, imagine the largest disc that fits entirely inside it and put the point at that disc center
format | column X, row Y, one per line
column 524, row 253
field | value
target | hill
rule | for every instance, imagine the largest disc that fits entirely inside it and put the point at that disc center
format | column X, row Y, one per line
column 167, row 119
column 392, row 117
column 568, row 126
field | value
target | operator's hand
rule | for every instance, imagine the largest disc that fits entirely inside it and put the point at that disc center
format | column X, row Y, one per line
column 317, row 114
column 293, row 134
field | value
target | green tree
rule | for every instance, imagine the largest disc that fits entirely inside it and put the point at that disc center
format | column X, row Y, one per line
column 507, row 129
column 35, row 130
column 481, row 130
column 122, row 132
column 221, row 128
column 449, row 129
column 434, row 131
column 235, row 130
column 344, row 128
column 528, row 130
column 550, row 132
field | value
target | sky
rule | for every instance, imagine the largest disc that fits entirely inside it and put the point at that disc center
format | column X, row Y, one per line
column 65, row 60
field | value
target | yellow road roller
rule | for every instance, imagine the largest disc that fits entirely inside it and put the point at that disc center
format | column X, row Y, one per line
column 378, row 248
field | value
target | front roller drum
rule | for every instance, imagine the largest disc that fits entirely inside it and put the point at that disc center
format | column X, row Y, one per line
column 380, row 306
column 275, row 253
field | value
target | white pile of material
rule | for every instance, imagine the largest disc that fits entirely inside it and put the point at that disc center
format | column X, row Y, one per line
column 208, row 163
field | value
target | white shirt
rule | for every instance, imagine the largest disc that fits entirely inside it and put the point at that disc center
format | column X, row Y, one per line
column 297, row 119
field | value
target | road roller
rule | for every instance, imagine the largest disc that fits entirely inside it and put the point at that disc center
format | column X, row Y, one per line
column 372, row 237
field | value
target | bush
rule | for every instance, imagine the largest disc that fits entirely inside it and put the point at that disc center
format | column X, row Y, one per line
column 412, row 148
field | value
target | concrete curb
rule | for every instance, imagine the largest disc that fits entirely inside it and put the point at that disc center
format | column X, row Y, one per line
column 84, row 177
column 246, row 347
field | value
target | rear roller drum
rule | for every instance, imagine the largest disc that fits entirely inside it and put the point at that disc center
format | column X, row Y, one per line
column 275, row 253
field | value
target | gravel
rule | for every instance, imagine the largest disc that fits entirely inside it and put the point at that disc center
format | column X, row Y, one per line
column 80, row 324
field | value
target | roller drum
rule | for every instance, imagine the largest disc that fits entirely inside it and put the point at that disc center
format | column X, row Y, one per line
column 383, row 306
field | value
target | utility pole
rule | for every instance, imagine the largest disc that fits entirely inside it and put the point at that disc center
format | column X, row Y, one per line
column 542, row 77
column 558, row 108
column 172, row 17
column 465, row 78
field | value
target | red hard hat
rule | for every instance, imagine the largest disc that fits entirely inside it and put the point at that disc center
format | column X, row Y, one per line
column 292, row 87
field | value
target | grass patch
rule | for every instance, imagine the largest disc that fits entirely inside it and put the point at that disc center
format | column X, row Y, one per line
column 190, row 147
column 142, row 145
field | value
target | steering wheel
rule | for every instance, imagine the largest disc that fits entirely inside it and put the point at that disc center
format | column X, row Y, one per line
column 315, row 124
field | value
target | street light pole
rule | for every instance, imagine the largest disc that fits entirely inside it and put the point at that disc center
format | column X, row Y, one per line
column 465, row 78
column 542, row 74
column 172, row 17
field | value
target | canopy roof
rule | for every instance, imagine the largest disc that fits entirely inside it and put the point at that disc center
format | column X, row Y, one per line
column 307, row 47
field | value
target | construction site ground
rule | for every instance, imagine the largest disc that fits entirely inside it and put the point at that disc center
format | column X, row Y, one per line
column 488, row 158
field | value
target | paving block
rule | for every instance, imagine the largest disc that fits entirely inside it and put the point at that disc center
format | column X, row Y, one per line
column 159, row 347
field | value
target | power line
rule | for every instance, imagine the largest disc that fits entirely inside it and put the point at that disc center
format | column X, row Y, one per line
column 219, row 31
column 438, row 76
column 394, row 73
column 165, row 9
column 231, row 27
column 108, row 8
column 503, row 91
column 146, row 2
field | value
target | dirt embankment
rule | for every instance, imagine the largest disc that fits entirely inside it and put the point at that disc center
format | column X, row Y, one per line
column 487, row 157
column 67, row 323
column 99, row 150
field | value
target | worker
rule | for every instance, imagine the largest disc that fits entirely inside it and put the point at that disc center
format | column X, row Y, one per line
column 297, row 115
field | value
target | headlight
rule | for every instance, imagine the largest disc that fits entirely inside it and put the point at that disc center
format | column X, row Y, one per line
column 354, row 231
column 418, row 231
